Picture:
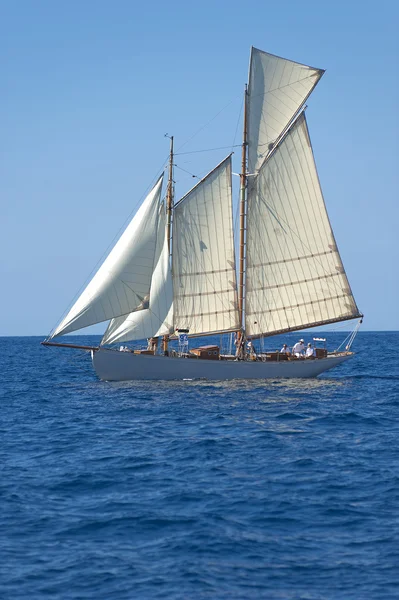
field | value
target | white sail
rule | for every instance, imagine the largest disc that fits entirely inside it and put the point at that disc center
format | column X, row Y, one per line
column 204, row 277
column 294, row 276
column 277, row 90
column 122, row 283
column 157, row 319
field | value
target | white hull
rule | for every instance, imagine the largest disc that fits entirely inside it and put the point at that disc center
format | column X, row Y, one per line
column 112, row 365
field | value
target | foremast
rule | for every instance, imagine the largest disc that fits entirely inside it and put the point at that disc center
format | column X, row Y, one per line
column 169, row 196
column 169, row 209
column 243, row 214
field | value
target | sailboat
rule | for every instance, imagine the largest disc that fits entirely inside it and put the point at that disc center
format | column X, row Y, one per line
column 173, row 273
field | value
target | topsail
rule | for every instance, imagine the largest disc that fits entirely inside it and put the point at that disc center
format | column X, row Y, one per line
column 278, row 88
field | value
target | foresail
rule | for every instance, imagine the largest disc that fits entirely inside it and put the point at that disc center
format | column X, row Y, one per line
column 294, row 277
column 204, row 277
column 278, row 88
column 122, row 283
column 157, row 319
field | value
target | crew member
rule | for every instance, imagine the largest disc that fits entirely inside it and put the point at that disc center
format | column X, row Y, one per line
column 251, row 349
column 310, row 351
column 299, row 349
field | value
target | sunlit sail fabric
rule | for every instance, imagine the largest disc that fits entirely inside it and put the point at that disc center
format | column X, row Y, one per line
column 122, row 283
column 157, row 319
column 204, row 278
column 294, row 276
column 277, row 89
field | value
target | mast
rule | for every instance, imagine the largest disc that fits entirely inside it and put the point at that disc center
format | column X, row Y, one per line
column 169, row 208
column 243, row 211
column 169, row 196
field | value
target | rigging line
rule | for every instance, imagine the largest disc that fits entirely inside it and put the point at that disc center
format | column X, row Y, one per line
column 234, row 145
column 208, row 123
column 208, row 150
column 181, row 169
column 199, row 177
column 287, row 85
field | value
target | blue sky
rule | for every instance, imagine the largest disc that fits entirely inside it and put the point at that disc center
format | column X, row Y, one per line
column 89, row 88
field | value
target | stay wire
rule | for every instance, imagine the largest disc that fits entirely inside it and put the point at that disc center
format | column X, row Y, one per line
column 234, row 145
column 185, row 171
column 208, row 150
column 208, row 123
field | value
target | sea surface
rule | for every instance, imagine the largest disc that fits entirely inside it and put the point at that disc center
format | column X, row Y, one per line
column 233, row 490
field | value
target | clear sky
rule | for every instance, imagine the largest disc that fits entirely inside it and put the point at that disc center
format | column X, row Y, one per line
column 88, row 89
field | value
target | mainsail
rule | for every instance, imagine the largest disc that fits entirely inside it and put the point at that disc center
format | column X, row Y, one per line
column 294, row 276
column 278, row 88
column 122, row 283
column 157, row 319
column 204, row 275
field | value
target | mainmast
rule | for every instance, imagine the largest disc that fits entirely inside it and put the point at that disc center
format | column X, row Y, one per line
column 243, row 211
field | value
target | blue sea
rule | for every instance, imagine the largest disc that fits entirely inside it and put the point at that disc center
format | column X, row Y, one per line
column 195, row 489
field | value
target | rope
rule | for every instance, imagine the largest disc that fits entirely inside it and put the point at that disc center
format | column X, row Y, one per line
column 185, row 171
column 208, row 123
column 351, row 337
column 238, row 121
column 208, row 150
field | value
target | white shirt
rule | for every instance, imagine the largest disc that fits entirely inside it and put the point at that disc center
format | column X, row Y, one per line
column 299, row 348
column 285, row 350
column 309, row 351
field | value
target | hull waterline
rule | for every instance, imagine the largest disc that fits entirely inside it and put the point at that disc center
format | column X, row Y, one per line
column 112, row 365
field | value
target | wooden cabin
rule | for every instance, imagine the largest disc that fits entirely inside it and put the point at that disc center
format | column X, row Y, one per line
column 208, row 352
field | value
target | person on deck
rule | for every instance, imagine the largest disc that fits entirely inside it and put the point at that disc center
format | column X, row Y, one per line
column 152, row 344
column 239, row 342
column 285, row 349
column 299, row 349
column 310, row 353
column 251, row 349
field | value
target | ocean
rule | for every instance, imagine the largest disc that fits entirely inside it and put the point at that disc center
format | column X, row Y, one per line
column 194, row 489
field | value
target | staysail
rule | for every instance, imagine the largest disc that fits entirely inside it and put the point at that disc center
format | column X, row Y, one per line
column 278, row 88
column 294, row 275
column 204, row 276
column 157, row 319
column 122, row 283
